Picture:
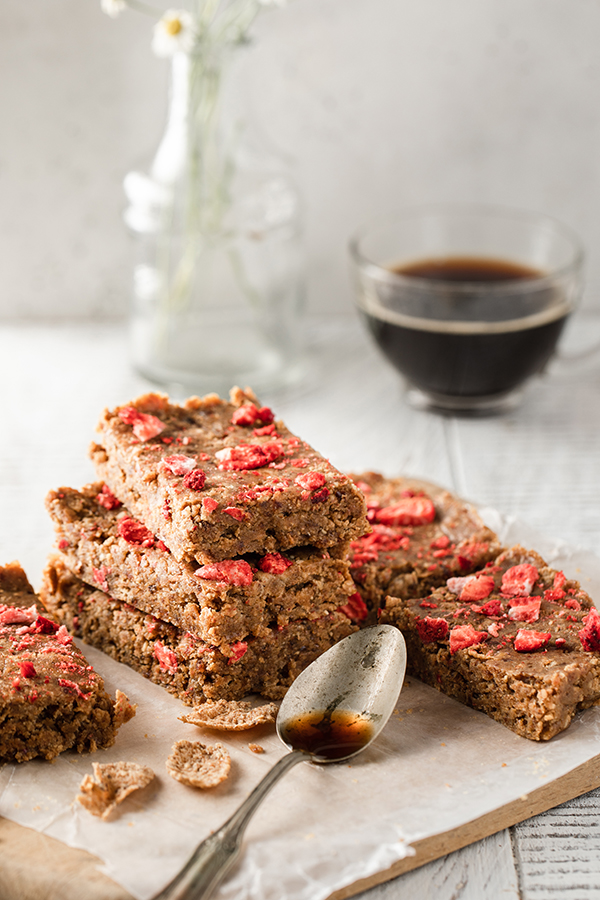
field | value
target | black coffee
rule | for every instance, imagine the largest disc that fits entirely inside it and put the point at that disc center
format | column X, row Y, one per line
column 462, row 342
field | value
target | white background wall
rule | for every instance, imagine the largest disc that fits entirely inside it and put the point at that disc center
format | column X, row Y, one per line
column 381, row 102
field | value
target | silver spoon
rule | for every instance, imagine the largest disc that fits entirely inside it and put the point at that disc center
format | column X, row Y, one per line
column 333, row 710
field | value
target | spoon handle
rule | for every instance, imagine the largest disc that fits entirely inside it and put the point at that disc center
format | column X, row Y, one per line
column 212, row 858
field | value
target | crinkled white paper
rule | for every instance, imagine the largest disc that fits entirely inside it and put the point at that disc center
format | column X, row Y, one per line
column 436, row 766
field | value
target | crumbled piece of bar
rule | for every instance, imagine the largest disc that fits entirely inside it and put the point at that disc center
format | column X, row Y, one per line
column 215, row 480
column 110, row 784
column 51, row 699
column 199, row 765
column 256, row 748
column 421, row 535
column 516, row 640
column 230, row 715
column 221, row 603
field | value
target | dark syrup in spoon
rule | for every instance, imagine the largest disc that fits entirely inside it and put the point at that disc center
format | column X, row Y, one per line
column 327, row 734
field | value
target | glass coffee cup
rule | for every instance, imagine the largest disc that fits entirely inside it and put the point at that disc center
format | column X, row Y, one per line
column 467, row 302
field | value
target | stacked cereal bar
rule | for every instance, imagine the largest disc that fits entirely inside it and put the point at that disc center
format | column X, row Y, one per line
column 51, row 699
column 211, row 555
column 517, row 640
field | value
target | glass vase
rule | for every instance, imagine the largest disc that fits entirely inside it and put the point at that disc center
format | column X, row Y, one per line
column 218, row 291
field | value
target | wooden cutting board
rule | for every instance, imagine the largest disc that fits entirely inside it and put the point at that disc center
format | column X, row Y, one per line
column 36, row 867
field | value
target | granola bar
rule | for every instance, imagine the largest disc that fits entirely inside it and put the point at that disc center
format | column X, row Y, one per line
column 421, row 535
column 216, row 480
column 188, row 667
column 51, row 699
column 221, row 603
column 516, row 640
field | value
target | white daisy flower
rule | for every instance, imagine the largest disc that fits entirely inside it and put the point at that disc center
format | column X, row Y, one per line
column 113, row 8
column 174, row 32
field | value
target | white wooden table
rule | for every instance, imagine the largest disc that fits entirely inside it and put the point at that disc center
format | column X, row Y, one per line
column 540, row 463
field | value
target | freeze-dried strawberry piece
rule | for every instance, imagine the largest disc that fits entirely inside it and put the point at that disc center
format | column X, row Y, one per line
column 27, row 668
column 166, row 658
column 107, row 499
column 463, row 636
column 44, row 626
column 248, row 414
column 408, row 511
column 491, row 608
column 457, row 584
column 249, row 456
column 440, row 543
column 477, row 588
column 209, row 504
column 17, row 615
column 145, row 426
column 310, row 481
column 590, row 633
column 195, row 480
column 431, row 630
column 99, row 576
column 524, row 609
column 554, row 595
column 355, row 608
column 526, row 641
column 63, row 637
column 519, row 580
column 320, row 496
column 134, row 532
column 235, row 512
column 230, row 571
column 178, row 464
column 239, row 649
column 560, row 579
column 274, row 563
column 494, row 628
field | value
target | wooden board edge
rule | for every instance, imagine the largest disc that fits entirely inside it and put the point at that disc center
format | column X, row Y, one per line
column 578, row 781
column 34, row 866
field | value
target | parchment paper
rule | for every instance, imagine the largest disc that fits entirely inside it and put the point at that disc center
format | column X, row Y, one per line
column 437, row 765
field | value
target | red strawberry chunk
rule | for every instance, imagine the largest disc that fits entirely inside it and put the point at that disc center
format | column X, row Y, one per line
column 274, row 563
column 235, row 512
column 355, row 608
column 178, row 464
column 477, row 588
column 27, row 668
column 524, row 609
column 408, row 511
column 195, row 480
column 590, row 633
column 107, row 499
column 431, row 630
column 145, row 426
column 134, row 532
column 17, row 615
column 310, row 481
column 248, row 414
column 239, row 649
column 526, row 640
column 249, row 456
column 491, row 608
column 230, row 571
column 519, row 580
column 463, row 636
column 166, row 658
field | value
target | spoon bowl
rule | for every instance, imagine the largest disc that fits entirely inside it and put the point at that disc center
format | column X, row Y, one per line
column 333, row 710
column 349, row 691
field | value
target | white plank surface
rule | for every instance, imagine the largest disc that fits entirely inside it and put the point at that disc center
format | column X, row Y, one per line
column 540, row 463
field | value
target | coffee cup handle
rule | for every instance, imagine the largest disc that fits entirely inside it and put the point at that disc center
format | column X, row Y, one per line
column 573, row 354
